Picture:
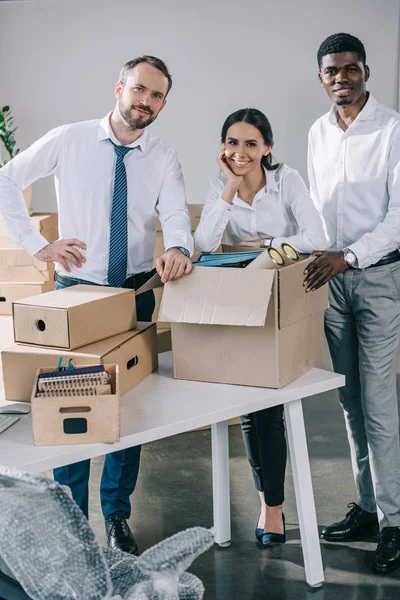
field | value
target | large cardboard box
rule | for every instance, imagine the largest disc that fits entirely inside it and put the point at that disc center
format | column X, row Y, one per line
column 97, row 418
column 74, row 316
column 26, row 282
column 244, row 326
column 135, row 353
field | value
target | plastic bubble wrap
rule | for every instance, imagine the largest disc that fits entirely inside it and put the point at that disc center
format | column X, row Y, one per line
column 48, row 545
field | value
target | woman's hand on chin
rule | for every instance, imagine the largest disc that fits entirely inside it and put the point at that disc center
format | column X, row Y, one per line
column 232, row 180
column 253, row 244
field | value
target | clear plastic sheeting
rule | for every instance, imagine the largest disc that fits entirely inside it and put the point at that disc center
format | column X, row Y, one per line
column 47, row 544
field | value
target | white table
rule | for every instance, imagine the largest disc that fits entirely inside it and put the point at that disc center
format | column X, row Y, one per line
column 161, row 406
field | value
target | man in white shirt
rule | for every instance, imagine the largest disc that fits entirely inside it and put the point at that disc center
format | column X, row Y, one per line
column 110, row 176
column 354, row 172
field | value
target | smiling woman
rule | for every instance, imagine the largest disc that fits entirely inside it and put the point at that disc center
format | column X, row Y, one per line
column 259, row 203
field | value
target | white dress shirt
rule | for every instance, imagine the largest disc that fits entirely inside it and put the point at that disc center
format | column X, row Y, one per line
column 355, row 180
column 282, row 209
column 82, row 159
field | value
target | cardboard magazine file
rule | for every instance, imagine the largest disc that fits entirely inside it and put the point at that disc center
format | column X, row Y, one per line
column 25, row 282
column 253, row 327
column 74, row 316
column 76, row 419
column 135, row 353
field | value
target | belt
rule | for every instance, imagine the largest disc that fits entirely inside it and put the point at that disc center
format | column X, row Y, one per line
column 134, row 281
column 386, row 260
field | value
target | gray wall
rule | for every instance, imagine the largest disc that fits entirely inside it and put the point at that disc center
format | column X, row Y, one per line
column 60, row 60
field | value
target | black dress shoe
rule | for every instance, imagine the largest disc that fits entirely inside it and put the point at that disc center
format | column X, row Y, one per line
column 387, row 556
column 120, row 536
column 357, row 524
column 270, row 539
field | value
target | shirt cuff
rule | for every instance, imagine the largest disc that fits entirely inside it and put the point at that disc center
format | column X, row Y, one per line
column 34, row 242
column 222, row 205
column 180, row 239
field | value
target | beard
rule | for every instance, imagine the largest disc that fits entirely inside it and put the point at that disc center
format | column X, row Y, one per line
column 344, row 102
column 138, row 122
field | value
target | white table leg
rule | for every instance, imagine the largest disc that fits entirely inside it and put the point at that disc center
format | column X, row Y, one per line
column 304, row 493
column 220, row 476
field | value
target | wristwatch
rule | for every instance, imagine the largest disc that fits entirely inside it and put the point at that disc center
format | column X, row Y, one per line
column 267, row 242
column 349, row 257
column 182, row 249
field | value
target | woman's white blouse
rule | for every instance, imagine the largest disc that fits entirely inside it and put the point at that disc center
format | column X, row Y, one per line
column 282, row 209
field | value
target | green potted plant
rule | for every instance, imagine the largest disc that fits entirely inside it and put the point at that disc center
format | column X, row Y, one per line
column 7, row 130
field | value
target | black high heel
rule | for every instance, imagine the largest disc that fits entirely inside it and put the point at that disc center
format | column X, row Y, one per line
column 259, row 531
column 268, row 539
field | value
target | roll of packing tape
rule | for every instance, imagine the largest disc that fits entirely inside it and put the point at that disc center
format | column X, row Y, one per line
column 290, row 254
column 271, row 258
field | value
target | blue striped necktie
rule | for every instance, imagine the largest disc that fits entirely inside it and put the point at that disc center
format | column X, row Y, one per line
column 118, row 254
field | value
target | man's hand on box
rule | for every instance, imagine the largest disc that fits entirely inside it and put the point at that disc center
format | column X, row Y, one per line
column 64, row 252
column 321, row 270
column 172, row 265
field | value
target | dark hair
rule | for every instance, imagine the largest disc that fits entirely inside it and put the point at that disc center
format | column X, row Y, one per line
column 341, row 42
column 259, row 121
column 151, row 60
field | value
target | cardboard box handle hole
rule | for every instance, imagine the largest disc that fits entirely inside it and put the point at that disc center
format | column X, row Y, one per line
column 3, row 299
column 74, row 426
column 132, row 363
column 74, row 409
column 41, row 325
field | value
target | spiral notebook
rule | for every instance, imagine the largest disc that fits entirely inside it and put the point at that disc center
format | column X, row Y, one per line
column 80, row 381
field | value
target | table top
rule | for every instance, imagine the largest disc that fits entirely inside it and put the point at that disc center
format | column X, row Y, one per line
column 158, row 407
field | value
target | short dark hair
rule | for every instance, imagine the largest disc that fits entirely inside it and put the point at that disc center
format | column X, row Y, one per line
column 259, row 121
column 151, row 60
column 341, row 42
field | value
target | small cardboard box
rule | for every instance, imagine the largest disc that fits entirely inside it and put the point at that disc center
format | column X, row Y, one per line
column 74, row 316
column 135, row 353
column 96, row 417
column 253, row 327
column 17, row 257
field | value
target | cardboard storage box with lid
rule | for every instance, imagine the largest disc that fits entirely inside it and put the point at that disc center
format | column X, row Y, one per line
column 77, row 419
column 74, row 316
column 253, row 327
column 135, row 353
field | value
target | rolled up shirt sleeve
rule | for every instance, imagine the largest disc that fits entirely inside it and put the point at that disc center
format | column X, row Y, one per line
column 39, row 160
column 311, row 235
column 172, row 208
column 214, row 219
column 385, row 238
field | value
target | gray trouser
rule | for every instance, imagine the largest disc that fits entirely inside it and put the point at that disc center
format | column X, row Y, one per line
column 362, row 327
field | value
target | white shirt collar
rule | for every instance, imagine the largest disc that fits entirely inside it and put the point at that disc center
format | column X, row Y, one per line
column 106, row 133
column 366, row 114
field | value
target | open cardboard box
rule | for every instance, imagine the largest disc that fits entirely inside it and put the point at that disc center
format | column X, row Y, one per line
column 97, row 418
column 254, row 327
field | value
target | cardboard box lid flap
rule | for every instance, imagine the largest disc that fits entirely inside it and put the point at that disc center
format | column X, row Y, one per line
column 153, row 283
column 218, row 296
column 73, row 296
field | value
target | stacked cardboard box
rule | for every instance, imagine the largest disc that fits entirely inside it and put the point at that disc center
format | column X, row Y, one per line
column 164, row 328
column 85, row 324
column 22, row 275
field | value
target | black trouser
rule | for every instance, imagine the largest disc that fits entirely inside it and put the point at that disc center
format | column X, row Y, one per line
column 265, row 441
